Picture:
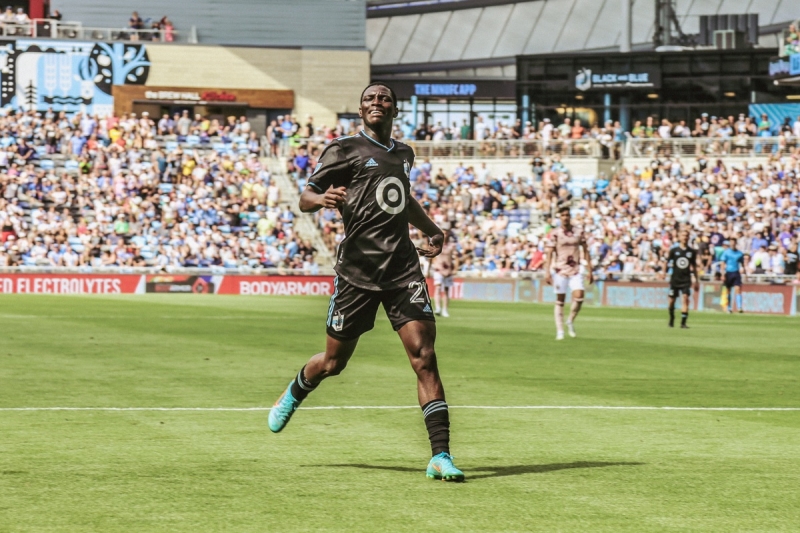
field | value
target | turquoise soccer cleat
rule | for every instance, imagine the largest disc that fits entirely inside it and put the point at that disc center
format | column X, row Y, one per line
column 283, row 410
column 442, row 467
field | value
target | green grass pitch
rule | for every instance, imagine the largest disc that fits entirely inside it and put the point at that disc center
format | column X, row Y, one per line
column 546, row 470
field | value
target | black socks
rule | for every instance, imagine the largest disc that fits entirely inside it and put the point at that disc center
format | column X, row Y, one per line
column 684, row 316
column 671, row 315
column 437, row 420
column 301, row 387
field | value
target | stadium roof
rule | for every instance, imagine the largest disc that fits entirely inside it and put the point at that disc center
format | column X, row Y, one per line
column 442, row 35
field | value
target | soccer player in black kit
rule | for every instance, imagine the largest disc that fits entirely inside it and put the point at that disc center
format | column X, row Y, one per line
column 365, row 176
column 682, row 260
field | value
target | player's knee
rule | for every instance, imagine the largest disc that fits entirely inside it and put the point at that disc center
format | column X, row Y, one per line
column 334, row 366
column 423, row 358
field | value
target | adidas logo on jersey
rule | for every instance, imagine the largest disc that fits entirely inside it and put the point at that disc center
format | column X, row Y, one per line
column 427, row 309
column 371, row 163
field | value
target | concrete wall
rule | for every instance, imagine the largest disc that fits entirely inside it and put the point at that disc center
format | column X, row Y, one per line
column 325, row 82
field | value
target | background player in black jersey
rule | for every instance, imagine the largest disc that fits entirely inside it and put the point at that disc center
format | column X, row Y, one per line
column 682, row 260
column 365, row 176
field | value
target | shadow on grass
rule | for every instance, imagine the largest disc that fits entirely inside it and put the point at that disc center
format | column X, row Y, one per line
column 492, row 471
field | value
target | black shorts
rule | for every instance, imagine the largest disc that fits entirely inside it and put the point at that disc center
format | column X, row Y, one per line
column 733, row 279
column 352, row 310
column 677, row 290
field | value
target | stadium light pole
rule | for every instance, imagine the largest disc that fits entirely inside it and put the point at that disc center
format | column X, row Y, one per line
column 625, row 45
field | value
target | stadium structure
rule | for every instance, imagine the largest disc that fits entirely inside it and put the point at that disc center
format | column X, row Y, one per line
column 151, row 169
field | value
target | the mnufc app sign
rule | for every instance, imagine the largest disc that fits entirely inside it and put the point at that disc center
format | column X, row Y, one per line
column 445, row 89
column 586, row 80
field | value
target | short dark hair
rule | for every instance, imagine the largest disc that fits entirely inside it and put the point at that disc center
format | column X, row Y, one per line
column 382, row 84
column 564, row 209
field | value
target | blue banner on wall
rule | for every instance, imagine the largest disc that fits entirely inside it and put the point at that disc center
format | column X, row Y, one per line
column 776, row 113
column 67, row 75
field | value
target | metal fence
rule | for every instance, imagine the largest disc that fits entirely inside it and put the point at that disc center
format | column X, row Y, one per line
column 490, row 149
column 56, row 29
column 744, row 146
column 583, row 148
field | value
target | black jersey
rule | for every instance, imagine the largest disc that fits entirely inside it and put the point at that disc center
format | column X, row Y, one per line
column 682, row 261
column 377, row 252
column 791, row 263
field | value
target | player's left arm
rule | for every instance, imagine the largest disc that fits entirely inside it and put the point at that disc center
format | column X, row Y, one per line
column 588, row 257
column 420, row 220
column 693, row 270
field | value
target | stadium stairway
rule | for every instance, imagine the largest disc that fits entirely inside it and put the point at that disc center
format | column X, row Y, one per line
column 305, row 225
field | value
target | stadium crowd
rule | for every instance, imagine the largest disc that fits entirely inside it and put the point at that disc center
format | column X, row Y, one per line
column 709, row 135
column 634, row 215
column 128, row 191
column 500, row 221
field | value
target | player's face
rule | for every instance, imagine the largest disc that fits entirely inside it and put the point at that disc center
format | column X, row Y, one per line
column 683, row 237
column 565, row 219
column 377, row 106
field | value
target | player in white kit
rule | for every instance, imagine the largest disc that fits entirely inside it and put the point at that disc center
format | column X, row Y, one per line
column 562, row 267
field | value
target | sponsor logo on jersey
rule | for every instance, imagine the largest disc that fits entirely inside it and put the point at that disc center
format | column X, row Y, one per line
column 391, row 195
column 371, row 163
column 682, row 262
column 427, row 309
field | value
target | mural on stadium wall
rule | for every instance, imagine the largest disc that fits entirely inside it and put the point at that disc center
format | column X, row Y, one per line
column 66, row 75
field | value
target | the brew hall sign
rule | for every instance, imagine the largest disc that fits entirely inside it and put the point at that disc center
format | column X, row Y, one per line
column 586, row 80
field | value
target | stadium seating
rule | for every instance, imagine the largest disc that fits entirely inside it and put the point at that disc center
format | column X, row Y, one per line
column 662, row 178
column 141, row 199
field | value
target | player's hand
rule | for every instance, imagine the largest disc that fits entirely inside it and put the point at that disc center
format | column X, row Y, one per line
column 435, row 244
column 548, row 278
column 333, row 198
column 590, row 277
column 696, row 286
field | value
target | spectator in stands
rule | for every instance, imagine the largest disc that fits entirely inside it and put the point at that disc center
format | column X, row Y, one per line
column 184, row 124
column 136, row 201
column 21, row 17
column 55, row 15
column 136, row 24
column 8, row 16
column 791, row 43
column 168, row 30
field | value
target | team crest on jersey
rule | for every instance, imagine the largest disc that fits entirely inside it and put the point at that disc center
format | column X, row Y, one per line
column 337, row 321
column 406, row 168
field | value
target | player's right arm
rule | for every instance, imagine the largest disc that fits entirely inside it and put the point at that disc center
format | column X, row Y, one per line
column 668, row 263
column 549, row 252
column 327, row 185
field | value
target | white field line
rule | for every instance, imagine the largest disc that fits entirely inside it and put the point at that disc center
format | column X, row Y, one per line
column 385, row 407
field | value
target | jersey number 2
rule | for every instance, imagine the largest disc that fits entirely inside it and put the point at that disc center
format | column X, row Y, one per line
column 419, row 288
